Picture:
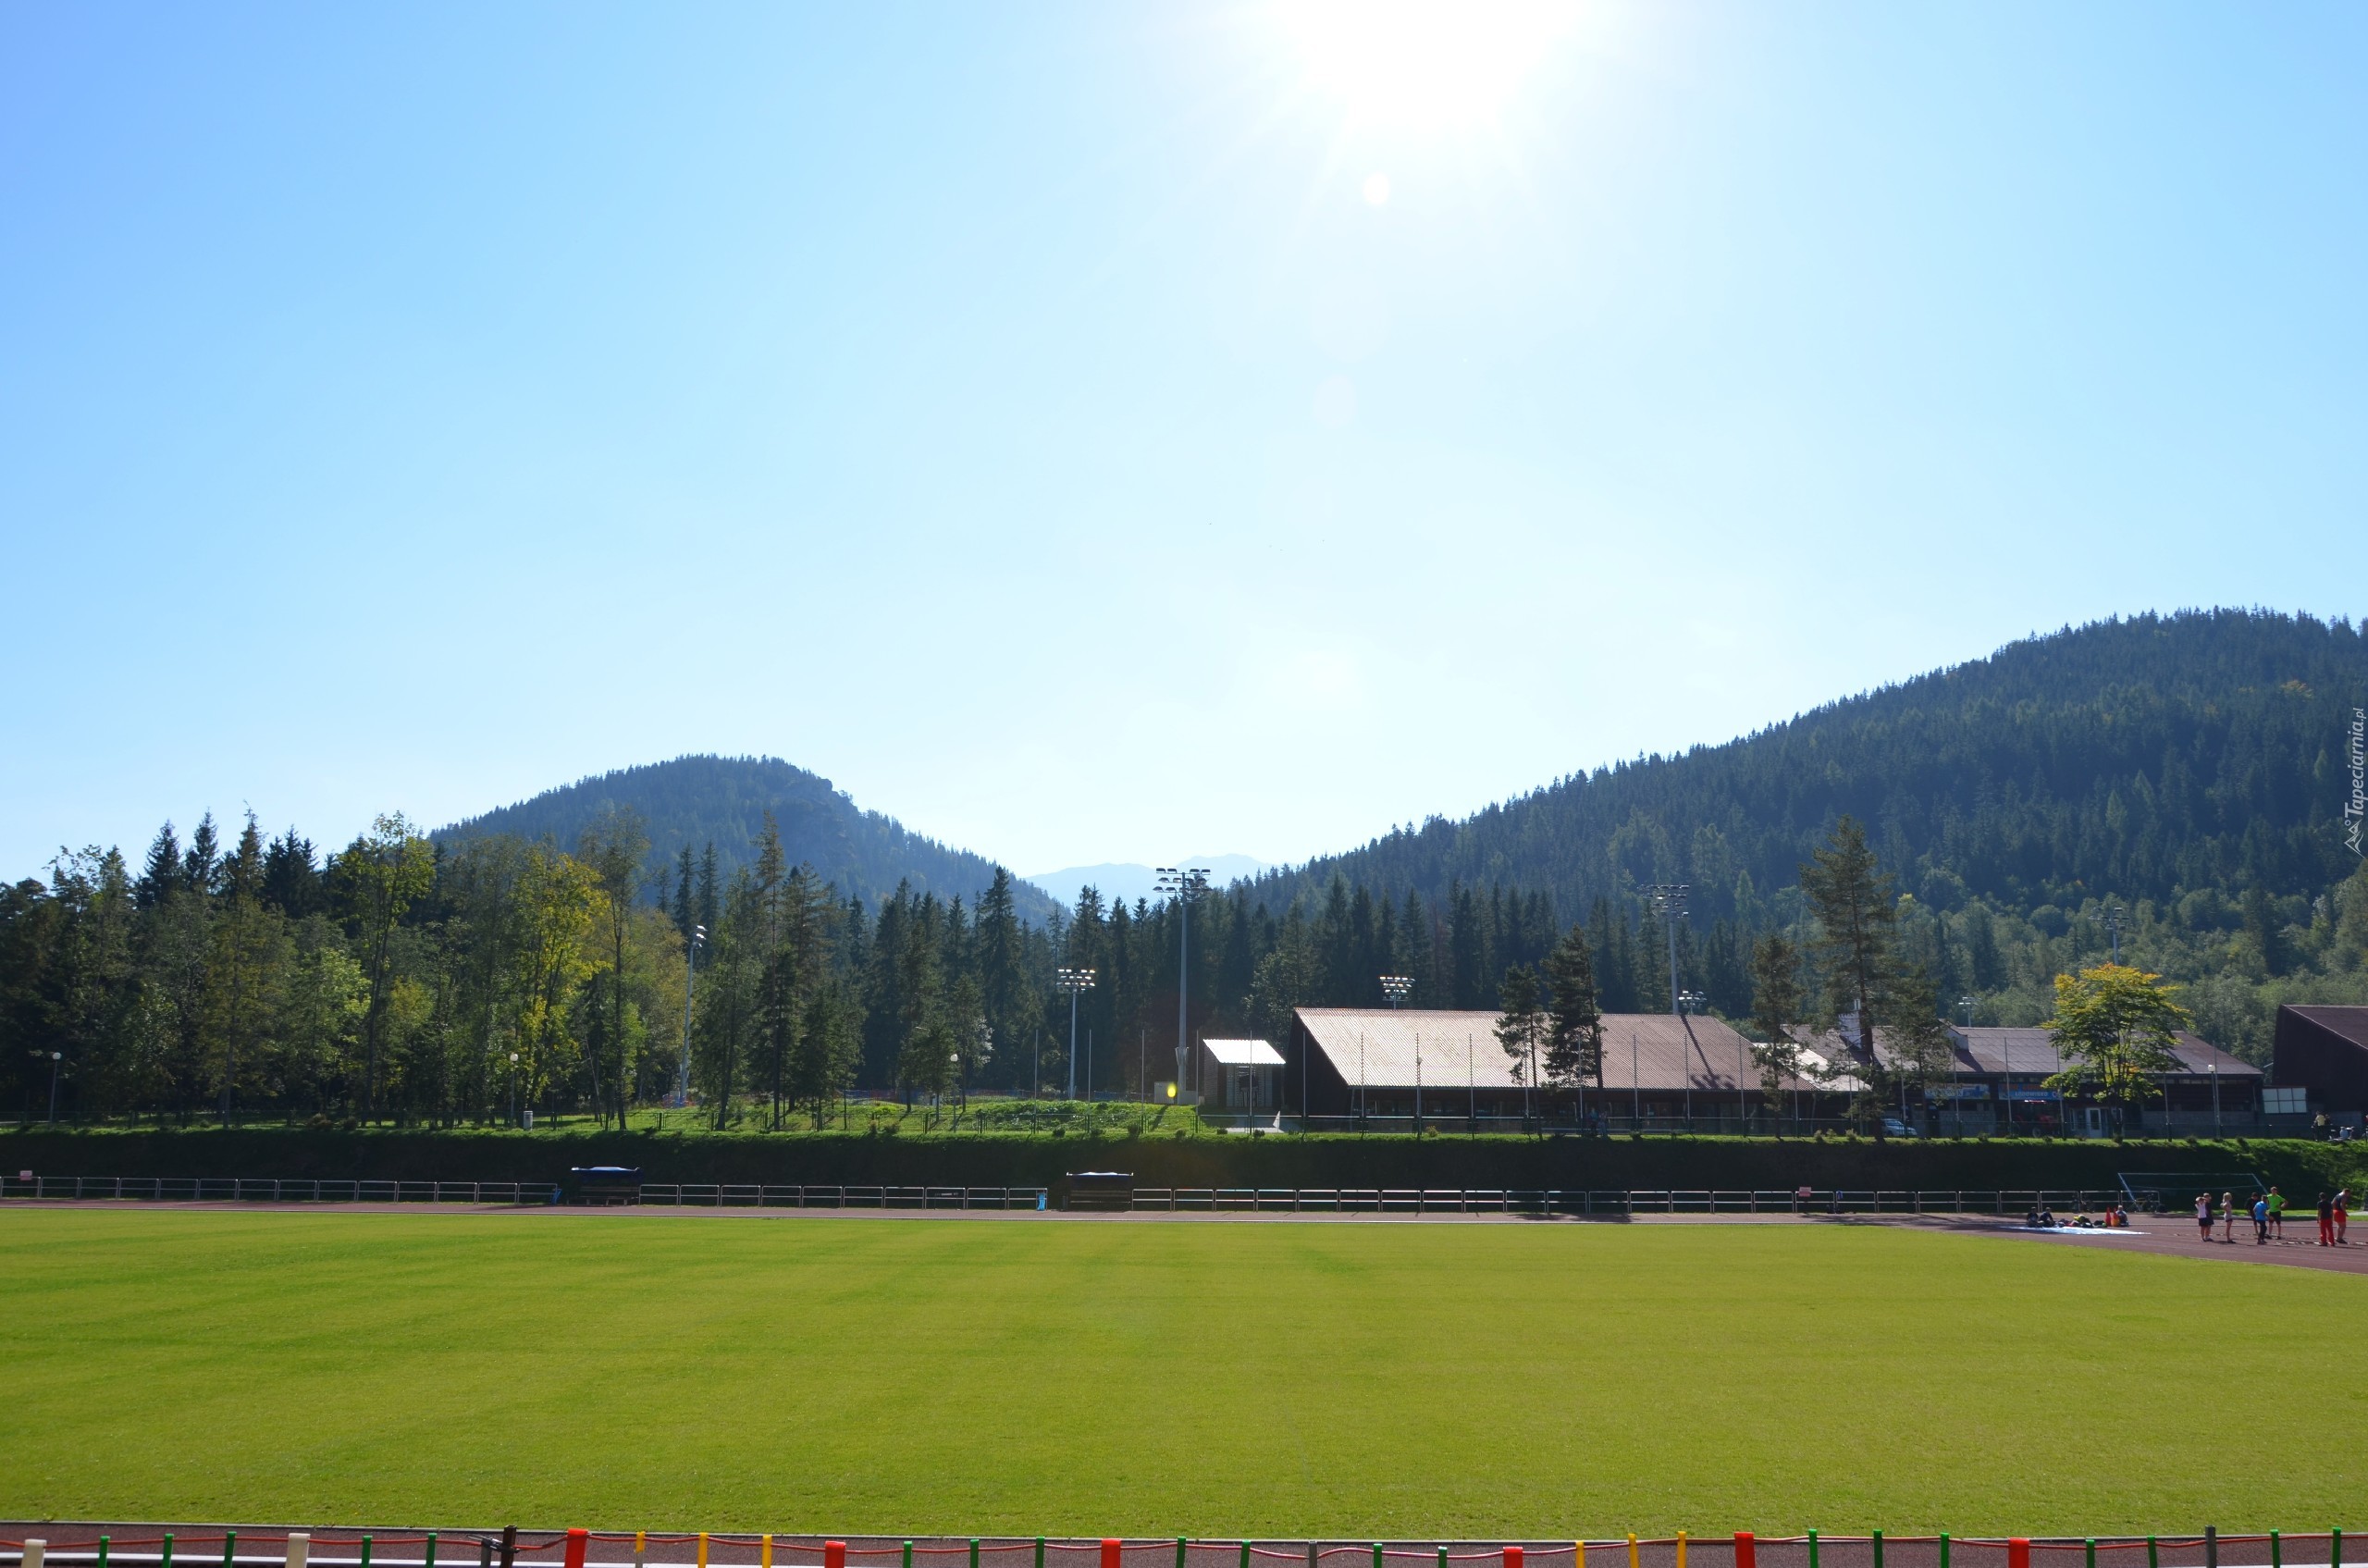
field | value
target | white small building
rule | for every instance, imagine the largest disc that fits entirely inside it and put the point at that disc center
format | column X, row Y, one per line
column 1240, row 1075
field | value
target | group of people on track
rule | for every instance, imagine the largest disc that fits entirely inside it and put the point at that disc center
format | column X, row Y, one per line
column 2268, row 1215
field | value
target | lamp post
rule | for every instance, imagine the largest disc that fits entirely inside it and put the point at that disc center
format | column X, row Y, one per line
column 1184, row 884
column 513, row 1088
column 1073, row 981
column 1668, row 898
column 690, row 978
column 2113, row 924
column 54, row 1058
column 1395, row 987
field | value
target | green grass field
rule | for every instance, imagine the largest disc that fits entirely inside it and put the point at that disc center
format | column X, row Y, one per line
column 1363, row 1381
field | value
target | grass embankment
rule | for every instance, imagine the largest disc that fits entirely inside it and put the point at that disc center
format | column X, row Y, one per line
column 815, row 1374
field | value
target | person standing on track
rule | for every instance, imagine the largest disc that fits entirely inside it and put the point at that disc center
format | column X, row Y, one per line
column 2327, row 1220
column 2204, row 1213
column 2277, row 1214
column 2343, row 1215
column 2260, row 1222
column 2228, row 1217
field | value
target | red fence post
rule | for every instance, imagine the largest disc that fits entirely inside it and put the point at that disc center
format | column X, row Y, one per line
column 1513, row 1557
column 2018, row 1551
column 1109, row 1552
column 575, row 1540
column 834, row 1554
column 1746, row 1550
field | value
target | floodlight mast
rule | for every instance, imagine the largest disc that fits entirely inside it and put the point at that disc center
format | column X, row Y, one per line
column 1184, row 884
column 690, row 978
column 1073, row 981
column 1395, row 987
column 2113, row 924
column 1668, row 897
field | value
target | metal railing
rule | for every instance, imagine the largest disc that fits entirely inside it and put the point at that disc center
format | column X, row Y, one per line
column 1609, row 1203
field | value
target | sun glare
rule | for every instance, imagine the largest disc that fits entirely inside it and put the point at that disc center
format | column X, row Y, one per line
column 1422, row 63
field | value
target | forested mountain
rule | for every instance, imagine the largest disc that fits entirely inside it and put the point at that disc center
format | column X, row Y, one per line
column 692, row 802
column 2153, row 758
column 2176, row 785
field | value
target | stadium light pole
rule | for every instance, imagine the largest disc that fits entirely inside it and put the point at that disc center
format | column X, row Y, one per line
column 54, row 1058
column 690, row 980
column 1668, row 897
column 1184, row 884
column 1074, row 982
column 2113, row 924
column 1395, row 987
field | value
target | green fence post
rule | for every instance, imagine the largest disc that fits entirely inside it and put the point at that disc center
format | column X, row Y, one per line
column 1376, row 1557
column 1039, row 1552
column 974, row 1551
column 2277, row 1551
column 429, row 1560
column 1877, row 1539
column 164, row 1557
column 1245, row 1554
column 908, row 1554
column 103, row 1551
column 2335, row 1550
column 1442, row 1559
column 2152, row 1560
column 1944, row 1549
column 365, row 1551
column 1812, row 1548
column 230, row 1548
column 2091, row 1558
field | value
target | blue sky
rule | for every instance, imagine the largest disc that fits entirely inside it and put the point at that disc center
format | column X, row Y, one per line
column 1089, row 430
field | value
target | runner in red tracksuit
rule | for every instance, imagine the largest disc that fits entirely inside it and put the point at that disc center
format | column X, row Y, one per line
column 2327, row 1220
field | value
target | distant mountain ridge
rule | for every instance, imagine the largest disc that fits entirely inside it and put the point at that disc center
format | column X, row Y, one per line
column 2151, row 756
column 691, row 801
column 1127, row 881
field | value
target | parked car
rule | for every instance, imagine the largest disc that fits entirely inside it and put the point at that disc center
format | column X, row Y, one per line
column 1895, row 1128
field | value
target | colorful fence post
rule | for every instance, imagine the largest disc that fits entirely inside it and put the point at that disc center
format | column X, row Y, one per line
column 1040, row 1556
column 1513, row 1557
column 1746, row 1550
column 2153, row 1559
column 2090, row 1560
column 908, row 1554
column 640, row 1548
column 1634, row 1558
column 1578, row 1554
column 164, row 1557
column 577, row 1539
column 428, row 1557
column 230, row 1547
column 2018, row 1551
column 764, row 1551
column 2335, row 1550
column 103, row 1551
column 35, row 1549
column 1680, row 1552
column 1110, row 1553
column 834, row 1554
column 2277, row 1551
column 1812, row 1548
column 702, row 1559
column 1944, row 1549
column 299, row 1547
column 365, row 1551
column 1875, row 1539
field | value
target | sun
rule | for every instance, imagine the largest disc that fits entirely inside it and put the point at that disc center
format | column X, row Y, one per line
column 1421, row 64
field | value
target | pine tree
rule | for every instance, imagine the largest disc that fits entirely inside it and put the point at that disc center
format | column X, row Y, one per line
column 1776, row 1011
column 162, row 874
column 1523, row 1027
column 1575, row 1045
column 198, row 866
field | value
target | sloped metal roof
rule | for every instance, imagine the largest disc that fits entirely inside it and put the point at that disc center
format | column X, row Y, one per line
column 1378, row 1047
column 1243, row 1052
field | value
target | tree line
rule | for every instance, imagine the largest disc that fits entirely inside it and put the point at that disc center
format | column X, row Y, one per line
column 401, row 980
